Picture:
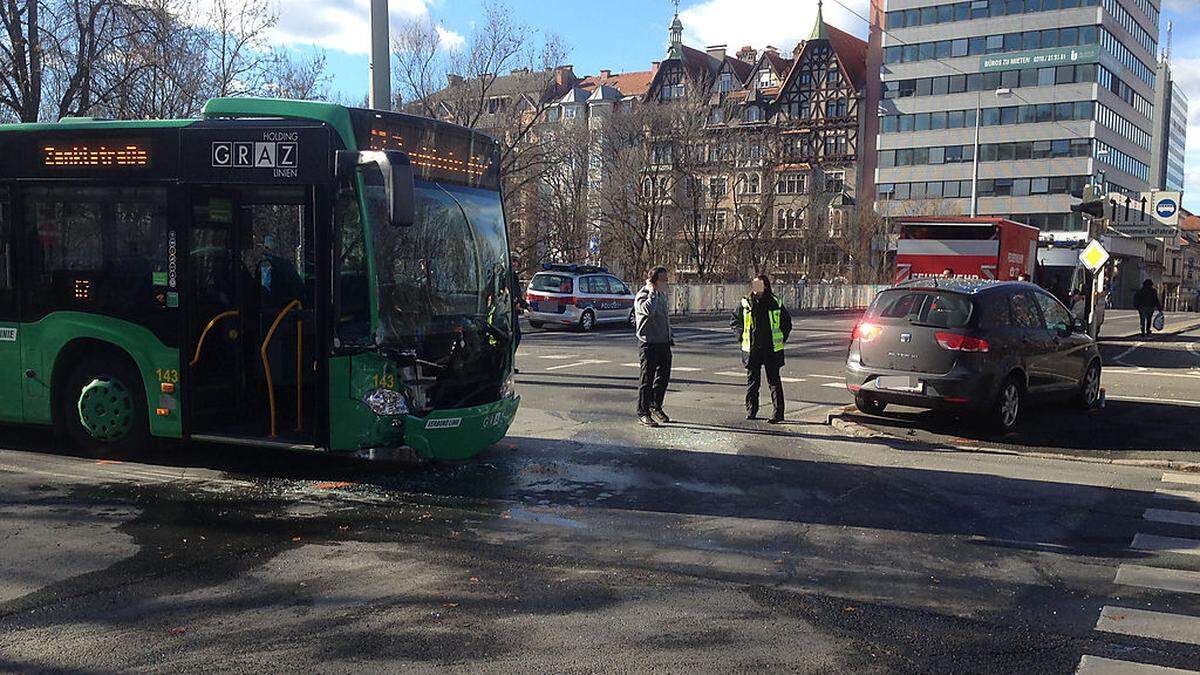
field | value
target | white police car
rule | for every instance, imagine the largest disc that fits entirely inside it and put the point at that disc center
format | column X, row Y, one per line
column 580, row 296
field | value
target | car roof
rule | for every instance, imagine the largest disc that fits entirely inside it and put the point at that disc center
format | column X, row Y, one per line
column 965, row 286
column 572, row 269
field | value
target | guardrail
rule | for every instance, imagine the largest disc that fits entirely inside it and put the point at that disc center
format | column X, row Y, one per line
column 699, row 299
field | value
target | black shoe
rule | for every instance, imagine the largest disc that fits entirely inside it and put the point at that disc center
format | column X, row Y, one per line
column 647, row 420
column 752, row 416
column 660, row 416
column 775, row 420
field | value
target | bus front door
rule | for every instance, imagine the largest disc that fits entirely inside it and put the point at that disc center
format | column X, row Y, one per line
column 253, row 264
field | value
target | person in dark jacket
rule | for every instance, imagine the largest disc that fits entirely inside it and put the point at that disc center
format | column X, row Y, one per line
column 653, row 329
column 1146, row 302
column 762, row 324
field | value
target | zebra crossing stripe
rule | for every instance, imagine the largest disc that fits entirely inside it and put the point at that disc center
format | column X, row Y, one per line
column 1176, row 517
column 1098, row 665
column 1187, row 478
column 1176, row 581
column 1154, row 542
column 1148, row 624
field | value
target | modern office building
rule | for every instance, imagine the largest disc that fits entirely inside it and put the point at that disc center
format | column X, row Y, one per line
column 1170, row 131
column 1011, row 107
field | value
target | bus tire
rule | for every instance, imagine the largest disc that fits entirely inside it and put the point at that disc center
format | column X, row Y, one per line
column 102, row 406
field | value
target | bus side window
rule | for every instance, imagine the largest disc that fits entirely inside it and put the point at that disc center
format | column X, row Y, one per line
column 102, row 250
column 354, row 314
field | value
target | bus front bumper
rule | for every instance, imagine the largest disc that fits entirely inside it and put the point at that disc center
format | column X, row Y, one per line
column 459, row 433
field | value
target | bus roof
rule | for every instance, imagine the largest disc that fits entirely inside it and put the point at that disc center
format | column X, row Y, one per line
column 336, row 116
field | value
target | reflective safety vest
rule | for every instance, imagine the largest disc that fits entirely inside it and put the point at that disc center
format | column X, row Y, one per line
column 776, row 317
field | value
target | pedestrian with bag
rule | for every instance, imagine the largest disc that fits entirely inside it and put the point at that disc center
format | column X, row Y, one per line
column 763, row 325
column 1146, row 302
column 653, row 330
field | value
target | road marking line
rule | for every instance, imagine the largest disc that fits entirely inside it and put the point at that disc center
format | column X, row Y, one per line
column 1096, row 665
column 730, row 373
column 685, row 369
column 585, row 362
column 1170, row 493
column 632, row 365
column 1190, row 478
column 1133, row 370
column 555, row 357
column 1154, row 542
column 1145, row 399
column 1127, row 352
column 1144, row 623
column 792, row 380
column 1177, row 581
column 834, row 385
column 827, row 377
column 1176, row 517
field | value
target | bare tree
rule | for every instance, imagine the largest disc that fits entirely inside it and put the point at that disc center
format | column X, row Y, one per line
column 561, row 210
column 22, row 49
column 303, row 79
column 236, row 49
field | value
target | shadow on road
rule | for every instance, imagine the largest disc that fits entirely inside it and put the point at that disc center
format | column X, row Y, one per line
column 1120, row 427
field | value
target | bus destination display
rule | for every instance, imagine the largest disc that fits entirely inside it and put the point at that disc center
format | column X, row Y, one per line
column 96, row 154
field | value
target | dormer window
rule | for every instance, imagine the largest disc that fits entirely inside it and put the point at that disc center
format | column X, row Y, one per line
column 754, row 113
column 569, row 112
column 765, row 78
column 497, row 104
column 726, row 84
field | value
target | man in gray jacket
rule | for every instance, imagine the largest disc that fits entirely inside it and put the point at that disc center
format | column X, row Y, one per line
column 653, row 328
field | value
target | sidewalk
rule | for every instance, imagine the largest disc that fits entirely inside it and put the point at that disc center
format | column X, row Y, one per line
column 1127, row 327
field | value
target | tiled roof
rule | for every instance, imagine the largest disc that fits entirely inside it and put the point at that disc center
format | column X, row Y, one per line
column 635, row 83
column 780, row 64
column 852, row 52
column 740, row 68
column 1190, row 223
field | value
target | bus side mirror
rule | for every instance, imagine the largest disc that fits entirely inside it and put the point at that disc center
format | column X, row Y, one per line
column 397, row 174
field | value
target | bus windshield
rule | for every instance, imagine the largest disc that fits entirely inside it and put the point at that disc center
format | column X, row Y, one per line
column 446, row 275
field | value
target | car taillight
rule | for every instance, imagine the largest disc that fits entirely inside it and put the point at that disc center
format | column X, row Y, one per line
column 957, row 342
column 866, row 331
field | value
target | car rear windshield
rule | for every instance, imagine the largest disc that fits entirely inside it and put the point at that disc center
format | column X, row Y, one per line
column 551, row 283
column 923, row 307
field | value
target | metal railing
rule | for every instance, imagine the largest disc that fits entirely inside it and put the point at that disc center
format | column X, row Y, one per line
column 700, row 299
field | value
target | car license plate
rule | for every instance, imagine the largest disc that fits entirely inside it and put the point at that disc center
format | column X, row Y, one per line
column 900, row 383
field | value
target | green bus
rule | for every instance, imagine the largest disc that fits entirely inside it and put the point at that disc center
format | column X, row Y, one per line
column 281, row 274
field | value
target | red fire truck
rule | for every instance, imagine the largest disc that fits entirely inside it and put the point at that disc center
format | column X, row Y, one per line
column 973, row 248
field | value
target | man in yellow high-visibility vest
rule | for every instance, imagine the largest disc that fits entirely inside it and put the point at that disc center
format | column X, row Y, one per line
column 763, row 325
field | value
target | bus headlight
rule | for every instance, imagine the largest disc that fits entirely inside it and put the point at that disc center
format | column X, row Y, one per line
column 385, row 402
column 508, row 389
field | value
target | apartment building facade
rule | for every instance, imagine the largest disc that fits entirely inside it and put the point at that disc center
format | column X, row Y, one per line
column 1011, row 107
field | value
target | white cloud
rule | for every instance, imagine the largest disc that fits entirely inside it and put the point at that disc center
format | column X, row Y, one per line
column 781, row 23
column 343, row 24
column 1181, row 6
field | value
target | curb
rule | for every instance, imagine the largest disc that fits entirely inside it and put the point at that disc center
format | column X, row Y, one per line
column 1174, row 331
column 837, row 421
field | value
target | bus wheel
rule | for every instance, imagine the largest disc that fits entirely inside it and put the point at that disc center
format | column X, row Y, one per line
column 103, row 407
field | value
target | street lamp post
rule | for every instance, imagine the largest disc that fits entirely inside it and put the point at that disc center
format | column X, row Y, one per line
column 1002, row 92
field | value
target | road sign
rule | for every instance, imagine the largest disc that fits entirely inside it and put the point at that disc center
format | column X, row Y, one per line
column 1037, row 58
column 1166, row 207
column 1094, row 256
column 594, row 244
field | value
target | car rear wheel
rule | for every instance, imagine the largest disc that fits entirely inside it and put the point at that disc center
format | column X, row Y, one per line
column 1007, row 410
column 587, row 322
column 1089, row 387
column 632, row 319
column 536, row 324
column 869, row 405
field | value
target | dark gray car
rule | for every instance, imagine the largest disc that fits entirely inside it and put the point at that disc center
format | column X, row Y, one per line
column 980, row 347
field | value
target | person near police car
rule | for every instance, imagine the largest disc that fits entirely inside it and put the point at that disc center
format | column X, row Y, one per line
column 763, row 325
column 652, row 325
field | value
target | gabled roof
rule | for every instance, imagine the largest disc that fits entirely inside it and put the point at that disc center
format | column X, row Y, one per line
column 575, row 95
column 605, row 92
column 779, row 64
column 635, row 83
column 700, row 64
column 741, row 69
column 852, row 52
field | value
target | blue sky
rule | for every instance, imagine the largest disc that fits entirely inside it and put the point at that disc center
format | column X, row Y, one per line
column 630, row 34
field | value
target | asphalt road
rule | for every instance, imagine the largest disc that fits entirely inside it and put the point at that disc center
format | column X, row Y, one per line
column 585, row 542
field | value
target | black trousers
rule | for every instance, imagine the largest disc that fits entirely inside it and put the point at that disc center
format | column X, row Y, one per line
column 1147, row 314
column 656, row 375
column 754, row 370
